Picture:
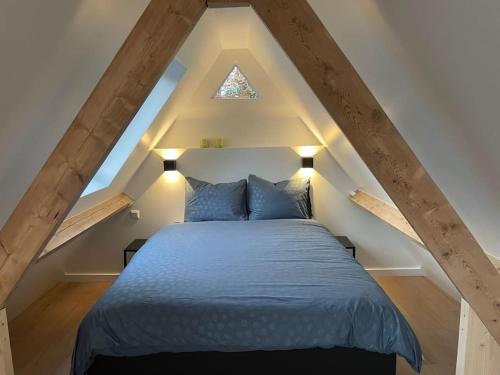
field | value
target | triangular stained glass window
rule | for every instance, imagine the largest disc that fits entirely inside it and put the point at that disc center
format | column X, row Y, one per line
column 236, row 86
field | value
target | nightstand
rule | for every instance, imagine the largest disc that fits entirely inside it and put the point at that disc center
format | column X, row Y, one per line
column 346, row 242
column 133, row 247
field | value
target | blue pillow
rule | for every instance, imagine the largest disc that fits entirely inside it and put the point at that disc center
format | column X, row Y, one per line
column 283, row 200
column 219, row 202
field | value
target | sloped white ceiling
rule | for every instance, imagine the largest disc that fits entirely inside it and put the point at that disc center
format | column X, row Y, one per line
column 53, row 53
column 267, row 121
column 198, row 54
column 432, row 65
column 455, row 48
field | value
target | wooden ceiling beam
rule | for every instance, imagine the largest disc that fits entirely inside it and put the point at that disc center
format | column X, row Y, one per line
column 385, row 212
column 147, row 51
column 77, row 225
column 343, row 93
column 395, row 218
column 6, row 365
column 227, row 3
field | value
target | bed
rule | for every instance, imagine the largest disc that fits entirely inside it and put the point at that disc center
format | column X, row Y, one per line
column 247, row 294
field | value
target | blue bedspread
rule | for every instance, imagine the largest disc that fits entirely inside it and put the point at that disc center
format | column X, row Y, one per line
column 238, row 286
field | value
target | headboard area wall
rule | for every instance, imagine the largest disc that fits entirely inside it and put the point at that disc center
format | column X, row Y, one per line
column 160, row 196
column 160, row 199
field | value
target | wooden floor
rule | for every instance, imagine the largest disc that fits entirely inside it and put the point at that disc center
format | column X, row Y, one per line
column 433, row 315
column 42, row 337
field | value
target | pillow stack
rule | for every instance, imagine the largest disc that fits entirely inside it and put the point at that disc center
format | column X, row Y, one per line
column 258, row 200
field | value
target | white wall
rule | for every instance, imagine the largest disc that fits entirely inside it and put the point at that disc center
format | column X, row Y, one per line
column 53, row 53
column 198, row 55
column 454, row 48
column 161, row 202
column 267, row 121
column 36, row 281
column 378, row 247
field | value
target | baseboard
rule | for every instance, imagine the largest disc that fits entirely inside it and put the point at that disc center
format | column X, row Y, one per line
column 395, row 271
column 89, row 277
column 374, row 271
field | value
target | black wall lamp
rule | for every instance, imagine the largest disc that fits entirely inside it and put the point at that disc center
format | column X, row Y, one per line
column 169, row 165
column 307, row 162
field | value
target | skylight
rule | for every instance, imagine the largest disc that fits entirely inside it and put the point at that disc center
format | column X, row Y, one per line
column 236, row 86
column 137, row 127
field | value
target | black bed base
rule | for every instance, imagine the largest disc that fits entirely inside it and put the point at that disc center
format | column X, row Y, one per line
column 336, row 361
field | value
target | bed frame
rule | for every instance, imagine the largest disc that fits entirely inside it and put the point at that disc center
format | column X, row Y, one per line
column 336, row 361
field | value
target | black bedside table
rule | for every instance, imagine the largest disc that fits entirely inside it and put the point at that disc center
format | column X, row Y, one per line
column 133, row 247
column 346, row 242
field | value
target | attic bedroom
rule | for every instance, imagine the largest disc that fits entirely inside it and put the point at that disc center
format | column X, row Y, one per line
column 231, row 186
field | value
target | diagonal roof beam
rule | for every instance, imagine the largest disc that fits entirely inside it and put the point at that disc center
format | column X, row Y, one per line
column 147, row 51
column 342, row 92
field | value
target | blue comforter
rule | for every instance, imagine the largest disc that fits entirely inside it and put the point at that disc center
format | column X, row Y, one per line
column 238, row 286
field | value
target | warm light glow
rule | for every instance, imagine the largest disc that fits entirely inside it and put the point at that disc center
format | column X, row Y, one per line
column 170, row 153
column 307, row 151
column 306, row 172
column 171, row 176
column 146, row 140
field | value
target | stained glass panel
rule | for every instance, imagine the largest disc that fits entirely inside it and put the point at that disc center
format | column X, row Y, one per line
column 236, row 86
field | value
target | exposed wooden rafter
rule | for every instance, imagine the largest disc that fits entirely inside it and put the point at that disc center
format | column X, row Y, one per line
column 6, row 365
column 151, row 45
column 76, row 225
column 344, row 95
column 478, row 352
column 395, row 218
column 391, row 215
column 227, row 3
column 147, row 51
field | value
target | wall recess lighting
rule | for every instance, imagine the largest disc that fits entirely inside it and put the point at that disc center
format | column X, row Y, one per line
column 307, row 162
column 169, row 165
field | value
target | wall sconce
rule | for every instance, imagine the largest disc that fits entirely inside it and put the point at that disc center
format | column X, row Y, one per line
column 307, row 162
column 169, row 165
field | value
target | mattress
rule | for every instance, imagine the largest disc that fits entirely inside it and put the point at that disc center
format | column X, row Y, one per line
column 242, row 286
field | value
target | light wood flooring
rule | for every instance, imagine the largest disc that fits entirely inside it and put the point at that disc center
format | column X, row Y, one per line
column 433, row 315
column 42, row 337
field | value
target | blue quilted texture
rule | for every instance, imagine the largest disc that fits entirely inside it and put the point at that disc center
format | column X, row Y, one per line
column 282, row 200
column 239, row 286
column 219, row 202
